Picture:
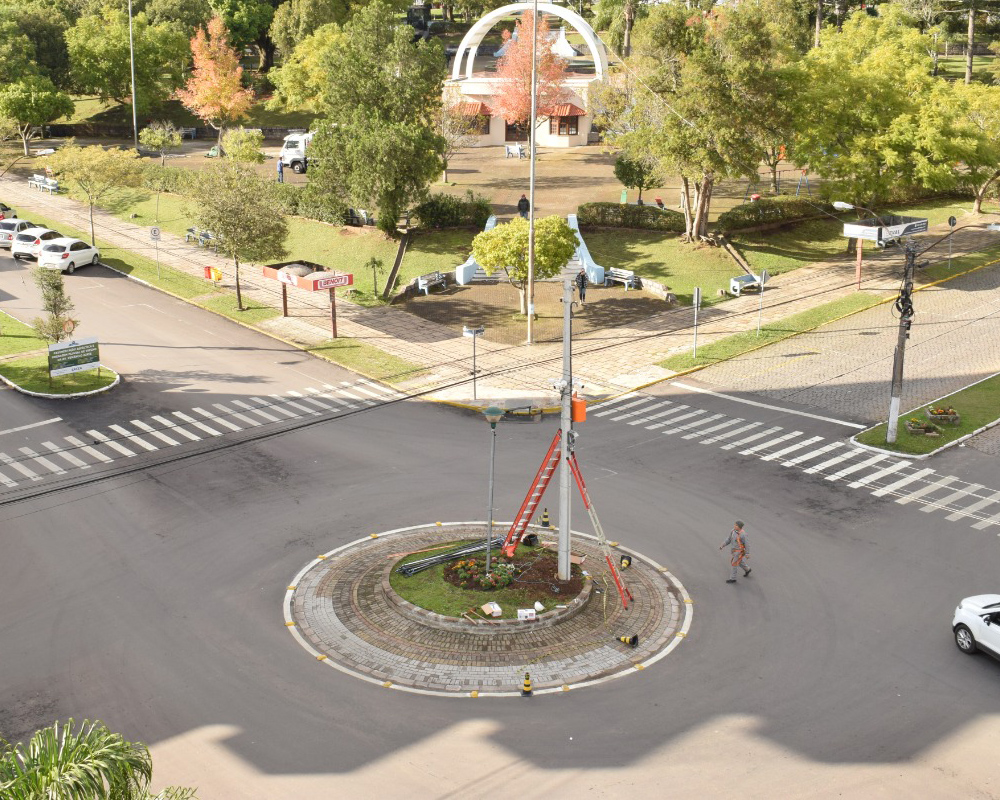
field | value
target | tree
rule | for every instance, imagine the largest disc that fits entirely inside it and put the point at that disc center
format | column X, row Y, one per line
column 513, row 96
column 241, row 144
column 161, row 137
column 618, row 17
column 99, row 58
column 379, row 144
column 31, row 102
column 85, row 763
column 17, row 54
column 248, row 22
column 639, row 173
column 296, row 20
column 45, row 25
column 506, row 248
column 979, row 109
column 863, row 136
column 96, row 172
column 378, row 268
column 457, row 129
column 240, row 208
column 301, row 82
column 57, row 324
column 215, row 92
column 185, row 16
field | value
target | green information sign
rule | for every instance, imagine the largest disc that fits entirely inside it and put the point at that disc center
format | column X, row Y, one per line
column 76, row 356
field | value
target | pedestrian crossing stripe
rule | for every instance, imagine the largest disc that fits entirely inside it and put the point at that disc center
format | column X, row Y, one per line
column 881, row 474
column 178, row 428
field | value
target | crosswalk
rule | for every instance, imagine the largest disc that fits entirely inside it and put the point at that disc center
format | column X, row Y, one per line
column 127, row 439
column 880, row 474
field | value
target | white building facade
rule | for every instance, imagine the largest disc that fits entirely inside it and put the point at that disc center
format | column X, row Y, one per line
column 472, row 84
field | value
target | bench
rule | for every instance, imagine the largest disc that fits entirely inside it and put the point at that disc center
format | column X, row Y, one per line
column 192, row 235
column 743, row 283
column 50, row 185
column 624, row 276
column 514, row 151
column 37, row 181
column 425, row 282
column 189, row 133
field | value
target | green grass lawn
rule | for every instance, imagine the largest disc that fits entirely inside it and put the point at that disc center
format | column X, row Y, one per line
column 666, row 259
column 225, row 304
column 361, row 357
column 32, row 374
column 954, row 67
column 978, row 405
column 17, row 337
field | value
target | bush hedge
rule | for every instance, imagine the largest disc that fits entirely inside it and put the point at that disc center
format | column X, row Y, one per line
column 448, row 211
column 769, row 210
column 616, row 215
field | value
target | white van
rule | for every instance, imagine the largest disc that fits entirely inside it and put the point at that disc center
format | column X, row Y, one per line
column 293, row 151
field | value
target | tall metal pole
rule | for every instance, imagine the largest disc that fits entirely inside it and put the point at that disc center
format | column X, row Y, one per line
column 904, row 305
column 489, row 513
column 566, row 425
column 474, row 337
column 531, row 179
column 131, row 58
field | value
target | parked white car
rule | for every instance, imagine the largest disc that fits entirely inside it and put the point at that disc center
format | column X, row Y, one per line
column 28, row 242
column 9, row 228
column 67, row 254
column 977, row 624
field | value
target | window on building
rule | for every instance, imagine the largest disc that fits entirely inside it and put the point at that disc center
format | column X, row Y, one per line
column 481, row 125
column 563, row 126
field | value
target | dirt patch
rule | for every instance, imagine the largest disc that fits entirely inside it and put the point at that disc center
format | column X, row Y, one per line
column 496, row 305
column 536, row 581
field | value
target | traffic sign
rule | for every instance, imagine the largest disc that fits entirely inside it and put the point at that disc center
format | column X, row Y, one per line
column 467, row 331
column 154, row 233
column 952, row 221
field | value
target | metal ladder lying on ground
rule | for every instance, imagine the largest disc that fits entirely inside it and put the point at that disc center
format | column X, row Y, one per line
column 534, row 498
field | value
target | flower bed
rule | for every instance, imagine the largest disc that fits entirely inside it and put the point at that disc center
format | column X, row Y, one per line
column 943, row 414
column 920, row 428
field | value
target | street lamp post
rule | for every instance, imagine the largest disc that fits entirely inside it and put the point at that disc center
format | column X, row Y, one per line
column 531, row 180
column 493, row 416
column 131, row 60
column 474, row 333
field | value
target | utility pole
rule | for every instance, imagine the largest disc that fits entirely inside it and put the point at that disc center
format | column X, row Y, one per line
column 904, row 305
column 531, row 179
column 566, row 424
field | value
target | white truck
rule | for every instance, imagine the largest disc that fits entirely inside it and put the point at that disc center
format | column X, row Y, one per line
column 293, row 151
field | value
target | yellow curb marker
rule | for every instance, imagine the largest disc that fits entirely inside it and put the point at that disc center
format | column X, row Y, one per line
column 613, row 544
column 320, row 558
column 373, row 536
column 688, row 600
column 387, row 685
column 292, row 588
column 473, row 693
column 640, row 666
column 680, row 635
column 565, row 687
column 321, row 658
column 289, row 624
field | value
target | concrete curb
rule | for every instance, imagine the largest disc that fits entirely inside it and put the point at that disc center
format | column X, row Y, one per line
column 289, row 618
column 74, row 396
column 923, row 456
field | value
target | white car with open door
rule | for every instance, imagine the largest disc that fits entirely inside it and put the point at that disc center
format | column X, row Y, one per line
column 977, row 624
column 67, row 254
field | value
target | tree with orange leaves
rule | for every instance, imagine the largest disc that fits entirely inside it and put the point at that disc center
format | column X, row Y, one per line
column 512, row 98
column 214, row 92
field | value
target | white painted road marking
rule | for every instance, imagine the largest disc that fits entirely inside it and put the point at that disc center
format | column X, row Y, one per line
column 72, row 459
column 132, row 438
column 920, row 473
column 939, row 484
column 86, row 448
column 770, row 407
column 113, row 445
column 32, row 425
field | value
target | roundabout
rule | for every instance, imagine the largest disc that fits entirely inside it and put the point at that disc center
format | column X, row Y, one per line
column 343, row 611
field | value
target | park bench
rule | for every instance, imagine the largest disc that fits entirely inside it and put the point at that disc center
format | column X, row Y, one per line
column 50, row 185
column 743, row 283
column 623, row 276
column 37, row 181
column 191, row 235
column 189, row 133
column 425, row 282
column 514, row 151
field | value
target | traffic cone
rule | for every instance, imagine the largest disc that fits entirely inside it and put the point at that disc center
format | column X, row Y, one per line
column 526, row 689
column 631, row 641
column 545, row 518
column 626, row 562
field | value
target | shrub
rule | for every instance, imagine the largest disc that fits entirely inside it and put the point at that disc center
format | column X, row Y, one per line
column 289, row 196
column 616, row 215
column 165, row 179
column 769, row 210
column 315, row 204
column 448, row 211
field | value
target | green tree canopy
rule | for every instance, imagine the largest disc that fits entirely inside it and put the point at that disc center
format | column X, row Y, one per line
column 243, row 144
column 32, row 101
column 246, row 20
column 296, row 20
column 506, row 248
column 185, row 16
column 380, row 142
column 301, row 82
column 99, row 55
column 17, row 53
column 639, row 173
column 96, row 172
column 978, row 110
column 161, row 137
column 45, row 24
column 242, row 209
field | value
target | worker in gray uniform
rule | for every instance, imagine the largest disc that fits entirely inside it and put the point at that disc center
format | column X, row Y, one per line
column 737, row 542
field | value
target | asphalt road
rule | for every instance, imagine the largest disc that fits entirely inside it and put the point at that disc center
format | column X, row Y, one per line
column 152, row 600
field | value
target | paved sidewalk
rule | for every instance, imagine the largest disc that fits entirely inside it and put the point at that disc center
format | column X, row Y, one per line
column 607, row 361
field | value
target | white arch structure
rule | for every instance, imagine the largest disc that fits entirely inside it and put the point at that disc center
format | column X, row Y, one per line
column 471, row 41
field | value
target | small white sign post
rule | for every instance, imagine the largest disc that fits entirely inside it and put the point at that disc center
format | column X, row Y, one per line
column 760, row 307
column 475, row 333
column 697, row 305
column 154, row 234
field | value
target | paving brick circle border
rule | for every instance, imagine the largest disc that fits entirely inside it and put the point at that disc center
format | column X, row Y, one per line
column 339, row 611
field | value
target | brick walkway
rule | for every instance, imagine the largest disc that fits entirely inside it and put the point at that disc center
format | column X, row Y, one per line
column 343, row 608
column 607, row 361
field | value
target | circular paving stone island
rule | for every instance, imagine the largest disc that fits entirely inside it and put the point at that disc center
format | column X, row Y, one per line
column 343, row 610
